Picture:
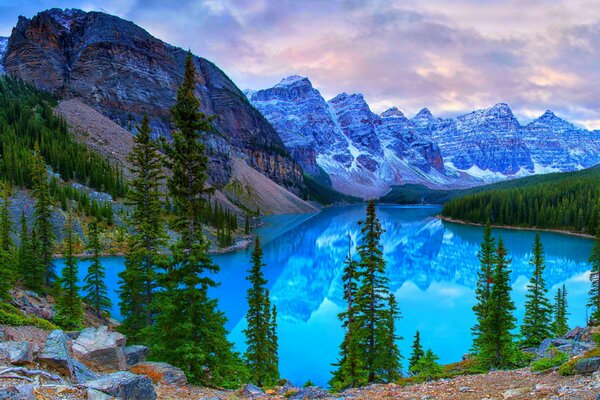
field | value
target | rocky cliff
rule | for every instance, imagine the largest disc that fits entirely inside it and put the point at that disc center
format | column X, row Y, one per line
column 122, row 71
column 364, row 154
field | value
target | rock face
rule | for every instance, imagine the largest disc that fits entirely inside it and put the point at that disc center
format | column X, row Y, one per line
column 364, row 154
column 55, row 353
column 17, row 353
column 122, row 71
column 101, row 349
column 124, row 385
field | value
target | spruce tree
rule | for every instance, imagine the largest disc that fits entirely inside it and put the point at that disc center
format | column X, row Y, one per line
column 43, row 215
column 560, row 325
column 273, row 345
column 536, row 324
column 69, row 309
column 189, row 330
column 148, row 239
column 7, row 273
column 594, row 294
column 427, row 365
column 372, row 295
column 497, row 348
column 391, row 368
column 30, row 273
column 417, row 352
column 487, row 260
column 350, row 371
column 96, row 294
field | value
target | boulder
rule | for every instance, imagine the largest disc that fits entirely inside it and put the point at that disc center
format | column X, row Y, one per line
column 124, row 385
column 101, row 349
column 573, row 347
column 251, row 391
column 18, row 392
column 135, row 354
column 82, row 373
column 93, row 394
column 587, row 365
column 312, row 392
column 16, row 353
column 55, row 353
column 160, row 372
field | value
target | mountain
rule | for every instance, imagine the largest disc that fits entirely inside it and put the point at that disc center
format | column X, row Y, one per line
column 123, row 72
column 365, row 154
column 343, row 142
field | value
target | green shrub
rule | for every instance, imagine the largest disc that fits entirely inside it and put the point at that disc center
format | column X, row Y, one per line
column 10, row 315
column 544, row 364
column 596, row 338
column 568, row 368
column 308, row 383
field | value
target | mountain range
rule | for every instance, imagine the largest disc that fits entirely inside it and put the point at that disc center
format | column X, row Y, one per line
column 342, row 142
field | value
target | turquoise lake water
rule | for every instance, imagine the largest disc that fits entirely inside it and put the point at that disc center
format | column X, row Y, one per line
column 432, row 266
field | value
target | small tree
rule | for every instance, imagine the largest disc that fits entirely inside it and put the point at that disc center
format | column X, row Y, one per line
column 96, row 294
column 487, row 260
column 7, row 274
column 391, row 369
column 69, row 308
column 536, row 324
column 594, row 299
column 560, row 325
column 417, row 352
column 427, row 366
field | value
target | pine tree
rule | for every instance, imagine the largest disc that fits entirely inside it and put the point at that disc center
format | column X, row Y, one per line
column 487, row 259
column 7, row 273
column 247, row 224
column 390, row 369
column 189, row 330
column 417, row 352
column 29, row 270
column 43, row 215
column 560, row 325
column 372, row 294
column 497, row 348
column 258, row 319
column 96, row 294
column 427, row 365
column 272, row 344
column 69, row 313
column 594, row 299
column 148, row 240
column 536, row 324
column 350, row 371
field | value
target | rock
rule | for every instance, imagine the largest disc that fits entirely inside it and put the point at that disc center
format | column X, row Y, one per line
column 18, row 392
column 101, row 349
column 82, row 373
column 251, row 391
column 19, row 353
column 312, row 392
column 35, row 336
column 55, row 353
column 287, row 387
column 93, row 394
column 512, row 393
column 124, row 385
column 135, row 354
column 160, row 372
column 587, row 365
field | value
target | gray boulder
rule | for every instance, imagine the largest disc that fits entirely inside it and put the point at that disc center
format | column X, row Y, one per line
column 55, row 353
column 101, row 349
column 312, row 392
column 124, row 385
column 16, row 353
column 18, row 392
column 160, row 372
column 93, row 394
column 587, row 365
column 135, row 354
column 82, row 373
column 251, row 391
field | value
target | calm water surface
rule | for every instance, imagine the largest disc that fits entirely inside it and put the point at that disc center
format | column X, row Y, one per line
column 432, row 267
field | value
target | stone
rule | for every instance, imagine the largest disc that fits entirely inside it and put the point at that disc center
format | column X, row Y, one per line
column 311, row 392
column 93, row 394
column 512, row 393
column 101, row 349
column 251, row 390
column 160, row 372
column 124, row 385
column 135, row 354
column 55, row 353
column 81, row 372
column 587, row 365
column 18, row 392
column 19, row 353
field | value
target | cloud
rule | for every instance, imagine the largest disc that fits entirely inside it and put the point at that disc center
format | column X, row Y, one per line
column 449, row 56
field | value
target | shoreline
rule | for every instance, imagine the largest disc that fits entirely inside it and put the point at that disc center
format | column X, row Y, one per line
column 517, row 228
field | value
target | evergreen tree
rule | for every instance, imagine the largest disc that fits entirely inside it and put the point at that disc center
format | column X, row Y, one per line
column 30, row 272
column 247, row 224
column 69, row 309
column 189, row 330
column 7, row 273
column 497, row 348
column 427, row 365
column 417, row 352
column 391, row 369
column 487, row 259
column 273, row 345
column 43, row 215
column 372, row 295
column 148, row 240
column 594, row 299
column 258, row 317
column 536, row 324
column 96, row 294
column 560, row 325
column 350, row 371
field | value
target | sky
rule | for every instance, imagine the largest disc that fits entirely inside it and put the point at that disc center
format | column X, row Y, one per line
column 450, row 56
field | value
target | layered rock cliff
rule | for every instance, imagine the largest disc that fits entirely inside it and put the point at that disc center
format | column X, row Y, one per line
column 122, row 71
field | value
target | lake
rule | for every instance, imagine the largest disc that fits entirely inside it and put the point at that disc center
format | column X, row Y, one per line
column 432, row 266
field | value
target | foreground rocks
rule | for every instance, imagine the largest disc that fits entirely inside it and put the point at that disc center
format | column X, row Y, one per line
column 101, row 349
column 125, row 385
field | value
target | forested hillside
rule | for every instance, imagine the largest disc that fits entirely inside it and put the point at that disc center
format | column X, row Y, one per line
column 555, row 201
